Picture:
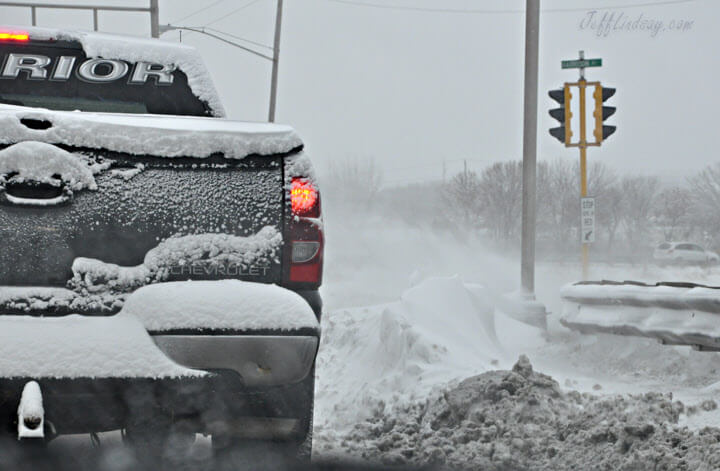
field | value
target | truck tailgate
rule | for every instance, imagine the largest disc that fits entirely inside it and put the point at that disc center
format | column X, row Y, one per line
column 148, row 219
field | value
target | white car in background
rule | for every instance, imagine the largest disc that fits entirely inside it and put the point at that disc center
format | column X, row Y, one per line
column 684, row 253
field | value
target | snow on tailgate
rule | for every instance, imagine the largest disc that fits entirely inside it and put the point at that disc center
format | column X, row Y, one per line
column 82, row 347
column 218, row 305
column 40, row 162
column 211, row 250
column 155, row 135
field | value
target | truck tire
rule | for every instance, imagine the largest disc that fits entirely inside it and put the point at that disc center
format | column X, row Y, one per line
column 237, row 452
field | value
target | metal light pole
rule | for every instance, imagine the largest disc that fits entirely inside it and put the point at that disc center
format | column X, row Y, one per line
column 523, row 306
column 154, row 19
column 529, row 189
column 276, row 61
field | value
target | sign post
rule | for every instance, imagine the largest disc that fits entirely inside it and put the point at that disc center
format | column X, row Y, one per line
column 587, row 220
column 564, row 134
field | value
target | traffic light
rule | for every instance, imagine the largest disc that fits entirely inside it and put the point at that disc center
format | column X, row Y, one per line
column 602, row 113
column 562, row 114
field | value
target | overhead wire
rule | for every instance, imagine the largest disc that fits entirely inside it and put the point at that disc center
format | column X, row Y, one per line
column 232, row 12
column 492, row 11
column 198, row 11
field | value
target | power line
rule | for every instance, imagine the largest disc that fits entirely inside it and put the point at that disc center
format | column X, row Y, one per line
column 240, row 38
column 232, row 12
column 490, row 12
column 198, row 11
column 226, row 15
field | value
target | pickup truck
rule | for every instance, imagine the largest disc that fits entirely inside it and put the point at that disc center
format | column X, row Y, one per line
column 160, row 264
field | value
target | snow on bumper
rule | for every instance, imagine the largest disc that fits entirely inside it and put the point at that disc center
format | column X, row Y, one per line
column 82, row 347
column 266, row 334
column 227, row 305
column 179, row 314
column 673, row 313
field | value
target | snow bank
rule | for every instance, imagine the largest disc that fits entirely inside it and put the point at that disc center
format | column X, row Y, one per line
column 219, row 305
column 43, row 163
column 371, row 357
column 156, row 135
column 521, row 419
column 208, row 250
column 81, row 347
column 134, row 49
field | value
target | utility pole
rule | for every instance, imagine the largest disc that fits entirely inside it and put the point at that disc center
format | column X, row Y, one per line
column 154, row 18
column 529, row 168
column 275, row 62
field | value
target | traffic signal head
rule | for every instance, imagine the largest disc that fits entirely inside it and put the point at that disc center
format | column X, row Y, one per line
column 563, row 115
column 601, row 113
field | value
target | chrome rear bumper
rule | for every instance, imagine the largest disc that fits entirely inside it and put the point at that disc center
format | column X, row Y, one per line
column 261, row 360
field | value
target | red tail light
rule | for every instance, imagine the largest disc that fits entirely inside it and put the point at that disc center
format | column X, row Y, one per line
column 19, row 36
column 304, row 236
column 304, row 198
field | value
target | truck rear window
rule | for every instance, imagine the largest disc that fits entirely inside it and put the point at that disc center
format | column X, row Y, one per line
column 73, row 104
column 59, row 76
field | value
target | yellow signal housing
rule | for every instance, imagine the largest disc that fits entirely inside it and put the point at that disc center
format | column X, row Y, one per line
column 568, row 114
column 598, row 113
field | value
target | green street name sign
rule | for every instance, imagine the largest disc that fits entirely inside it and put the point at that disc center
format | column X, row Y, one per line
column 581, row 63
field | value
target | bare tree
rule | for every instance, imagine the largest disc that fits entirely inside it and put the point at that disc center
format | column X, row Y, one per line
column 674, row 206
column 462, row 198
column 501, row 198
column 355, row 181
column 639, row 195
column 705, row 191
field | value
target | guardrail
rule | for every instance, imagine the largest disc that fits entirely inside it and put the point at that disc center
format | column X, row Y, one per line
column 674, row 313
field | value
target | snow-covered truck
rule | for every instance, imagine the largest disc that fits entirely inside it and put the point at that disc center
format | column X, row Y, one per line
column 160, row 264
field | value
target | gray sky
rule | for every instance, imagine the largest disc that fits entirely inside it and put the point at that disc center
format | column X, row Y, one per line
column 413, row 88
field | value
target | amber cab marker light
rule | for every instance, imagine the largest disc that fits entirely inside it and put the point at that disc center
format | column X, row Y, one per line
column 14, row 36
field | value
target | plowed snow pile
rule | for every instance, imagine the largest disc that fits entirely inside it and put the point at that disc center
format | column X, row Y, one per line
column 521, row 419
column 420, row 381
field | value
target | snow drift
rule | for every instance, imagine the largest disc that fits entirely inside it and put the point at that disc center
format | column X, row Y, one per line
column 440, row 330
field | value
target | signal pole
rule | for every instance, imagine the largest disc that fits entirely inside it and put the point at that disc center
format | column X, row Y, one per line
column 582, row 85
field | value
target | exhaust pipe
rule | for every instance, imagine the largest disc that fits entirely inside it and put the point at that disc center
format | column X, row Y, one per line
column 31, row 415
